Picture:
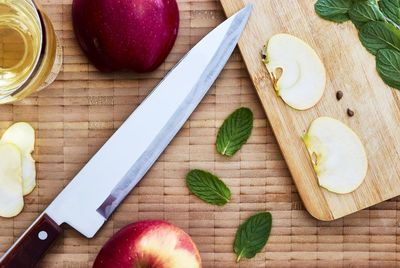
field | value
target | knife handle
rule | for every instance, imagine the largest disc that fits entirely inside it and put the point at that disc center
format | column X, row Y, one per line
column 31, row 246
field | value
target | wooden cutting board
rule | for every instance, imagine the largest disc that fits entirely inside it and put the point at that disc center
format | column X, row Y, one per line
column 351, row 69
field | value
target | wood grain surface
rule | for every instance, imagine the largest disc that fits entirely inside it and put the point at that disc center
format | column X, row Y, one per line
column 351, row 69
column 82, row 108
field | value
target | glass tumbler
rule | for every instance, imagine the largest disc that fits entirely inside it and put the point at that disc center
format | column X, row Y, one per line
column 30, row 54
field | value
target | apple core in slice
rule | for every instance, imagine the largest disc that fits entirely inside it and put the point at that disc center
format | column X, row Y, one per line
column 11, row 199
column 23, row 136
column 337, row 154
column 297, row 72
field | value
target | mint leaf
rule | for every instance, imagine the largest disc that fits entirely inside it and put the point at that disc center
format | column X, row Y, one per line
column 378, row 22
column 252, row 235
column 208, row 187
column 391, row 8
column 377, row 35
column 333, row 10
column 235, row 131
column 363, row 12
column 388, row 66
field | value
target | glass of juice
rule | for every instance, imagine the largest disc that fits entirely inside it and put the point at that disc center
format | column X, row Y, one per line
column 30, row 54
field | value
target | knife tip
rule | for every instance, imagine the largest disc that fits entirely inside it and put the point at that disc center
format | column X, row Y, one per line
column 246, row 10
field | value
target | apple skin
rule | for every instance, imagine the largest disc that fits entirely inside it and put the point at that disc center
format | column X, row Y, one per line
column 150, row 244
column 132, row 35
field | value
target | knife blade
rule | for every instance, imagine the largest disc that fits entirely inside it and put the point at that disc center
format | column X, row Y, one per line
column 101, row 185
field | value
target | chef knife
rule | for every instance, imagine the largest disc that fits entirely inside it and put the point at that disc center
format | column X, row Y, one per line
column 94, row 193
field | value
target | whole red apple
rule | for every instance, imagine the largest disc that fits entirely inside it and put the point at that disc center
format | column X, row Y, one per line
column 132, row 35
column 149, row 244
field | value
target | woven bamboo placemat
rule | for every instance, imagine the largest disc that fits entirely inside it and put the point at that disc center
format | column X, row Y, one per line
column 83, row 107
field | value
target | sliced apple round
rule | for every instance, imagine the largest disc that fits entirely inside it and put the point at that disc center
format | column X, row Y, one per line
column 337, row 154
column 11, row 199
column 297, row 72
column 23, row 136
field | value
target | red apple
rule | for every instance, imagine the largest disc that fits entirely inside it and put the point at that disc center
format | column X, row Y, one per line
column 149, row 244
column 132, row 35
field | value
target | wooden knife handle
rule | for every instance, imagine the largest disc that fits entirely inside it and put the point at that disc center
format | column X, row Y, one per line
column 31, row 246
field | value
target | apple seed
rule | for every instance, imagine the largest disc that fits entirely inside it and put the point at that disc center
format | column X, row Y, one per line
column 339, row 95
column 350, row 112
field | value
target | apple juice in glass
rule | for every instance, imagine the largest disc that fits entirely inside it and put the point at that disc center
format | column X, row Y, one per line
column 30, row 56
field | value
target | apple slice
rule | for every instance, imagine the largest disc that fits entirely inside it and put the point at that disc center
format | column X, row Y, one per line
column 337, row 154
column 296, row 70
column 11, row 199
column 23, row 136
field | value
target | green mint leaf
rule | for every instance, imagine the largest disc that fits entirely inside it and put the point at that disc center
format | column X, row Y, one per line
column 235, row 131
column 208, row 187
column 333, row 10
column 363, row 12
column 388, row 66
column 377, row 35
column 391, row 8
column 252, row 235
